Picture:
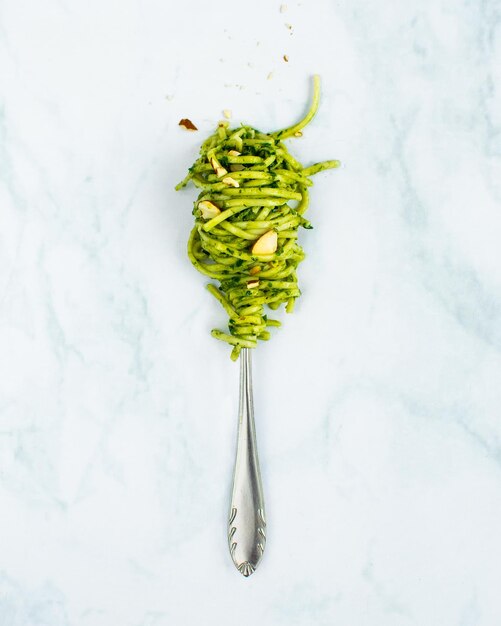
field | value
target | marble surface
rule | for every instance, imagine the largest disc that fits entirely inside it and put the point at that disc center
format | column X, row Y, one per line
column 378, row 402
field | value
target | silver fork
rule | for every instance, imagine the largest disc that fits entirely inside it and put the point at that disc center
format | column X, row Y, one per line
column 246, row 525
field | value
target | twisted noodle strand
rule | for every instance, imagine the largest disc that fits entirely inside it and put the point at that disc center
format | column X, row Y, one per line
column 253, row 196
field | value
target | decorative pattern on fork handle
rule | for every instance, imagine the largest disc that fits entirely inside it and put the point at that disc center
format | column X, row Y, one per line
column 246, row 524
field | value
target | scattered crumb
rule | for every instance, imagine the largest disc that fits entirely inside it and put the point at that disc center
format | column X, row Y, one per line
column 283, row 8
column 286, row 58
column 227, row 113
column 298, row 134
column 289, row 26
column 228, row 180
column 169, row 97
column 270, row 76
column 188, row 124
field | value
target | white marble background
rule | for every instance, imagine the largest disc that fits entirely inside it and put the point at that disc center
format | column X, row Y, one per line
column 378, row 403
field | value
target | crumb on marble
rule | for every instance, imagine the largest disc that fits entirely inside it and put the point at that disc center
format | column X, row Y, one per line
column 188, row 124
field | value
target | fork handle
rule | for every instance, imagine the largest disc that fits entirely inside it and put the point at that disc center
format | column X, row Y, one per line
column 246, row 525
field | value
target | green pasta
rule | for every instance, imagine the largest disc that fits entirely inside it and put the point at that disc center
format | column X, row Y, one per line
column 253, row 197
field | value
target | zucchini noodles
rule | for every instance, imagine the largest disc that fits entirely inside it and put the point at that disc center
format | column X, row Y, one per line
column 253, row 197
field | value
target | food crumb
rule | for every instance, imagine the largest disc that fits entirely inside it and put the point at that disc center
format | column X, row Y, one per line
column 169, row 97
column 270, row 76
column 188, row 124
column 286, row 58
column 298, row 134
column 228, row 180
column 283, row 8
column 227, row 113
